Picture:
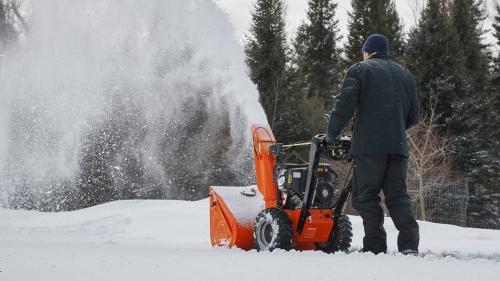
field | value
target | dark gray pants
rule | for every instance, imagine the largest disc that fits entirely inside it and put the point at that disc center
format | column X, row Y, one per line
column 386, row 172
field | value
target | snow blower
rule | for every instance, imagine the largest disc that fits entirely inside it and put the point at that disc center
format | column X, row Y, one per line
column 293, row 206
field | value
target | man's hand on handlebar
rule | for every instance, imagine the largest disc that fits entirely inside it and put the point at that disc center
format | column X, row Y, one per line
column 332, row 142
column 339, row 147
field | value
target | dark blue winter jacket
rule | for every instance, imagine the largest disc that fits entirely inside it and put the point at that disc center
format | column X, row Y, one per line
column 382, row 97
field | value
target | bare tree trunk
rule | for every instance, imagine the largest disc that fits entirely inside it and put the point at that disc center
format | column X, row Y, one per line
column 277, row 87
column 421, row 195
column 429, row 158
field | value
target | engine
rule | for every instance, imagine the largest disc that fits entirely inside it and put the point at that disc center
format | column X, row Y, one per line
column 292, row 179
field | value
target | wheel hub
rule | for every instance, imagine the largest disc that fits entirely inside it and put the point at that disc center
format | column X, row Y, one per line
column 266, row 234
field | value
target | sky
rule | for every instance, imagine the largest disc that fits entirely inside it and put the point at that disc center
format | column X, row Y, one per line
column 239, row 13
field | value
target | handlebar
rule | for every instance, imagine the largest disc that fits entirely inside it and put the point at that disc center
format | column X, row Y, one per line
column 338, row 151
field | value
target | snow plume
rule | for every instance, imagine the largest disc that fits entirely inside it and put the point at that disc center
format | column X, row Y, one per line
column 121, row 99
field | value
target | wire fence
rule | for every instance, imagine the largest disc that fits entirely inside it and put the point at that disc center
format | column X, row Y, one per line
column 444, row 204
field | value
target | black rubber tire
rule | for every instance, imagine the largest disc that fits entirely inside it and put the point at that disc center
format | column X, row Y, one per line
column 272, row 230
column 341, row 237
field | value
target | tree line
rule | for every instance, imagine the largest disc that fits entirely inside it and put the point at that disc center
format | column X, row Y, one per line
column 458, row 81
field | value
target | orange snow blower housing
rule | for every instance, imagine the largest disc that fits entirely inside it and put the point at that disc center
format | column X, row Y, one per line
column 293, row 206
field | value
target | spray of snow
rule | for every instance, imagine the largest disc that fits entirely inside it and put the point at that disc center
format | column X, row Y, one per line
column 81, row 57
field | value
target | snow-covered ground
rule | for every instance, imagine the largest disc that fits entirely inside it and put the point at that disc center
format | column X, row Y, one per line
column 169, row 240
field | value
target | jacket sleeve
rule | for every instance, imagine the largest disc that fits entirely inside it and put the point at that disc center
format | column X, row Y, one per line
column 414, row 112
column 345, row 103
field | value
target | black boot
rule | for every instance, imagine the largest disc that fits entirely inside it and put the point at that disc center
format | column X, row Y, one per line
column 410, row 252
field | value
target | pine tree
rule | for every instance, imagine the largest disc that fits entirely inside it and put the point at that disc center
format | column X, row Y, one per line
column 373, row 16
column 317, row 51
column 471, row 125
column 485, row 200
column 495, row 114
column 467, row 17
column 496, row 75
column 496, row 63
column 496, row 25
column 433, row 55
column 316, row 73
column 266, row 51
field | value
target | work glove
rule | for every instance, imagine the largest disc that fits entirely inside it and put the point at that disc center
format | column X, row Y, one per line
column 331, row 141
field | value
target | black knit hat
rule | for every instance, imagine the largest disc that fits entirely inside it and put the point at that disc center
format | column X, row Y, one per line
column 376, row 43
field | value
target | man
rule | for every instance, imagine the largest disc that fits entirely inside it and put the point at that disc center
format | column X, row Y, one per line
column 381, row 94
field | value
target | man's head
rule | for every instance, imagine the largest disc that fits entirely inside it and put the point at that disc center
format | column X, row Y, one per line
column 375, row 43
